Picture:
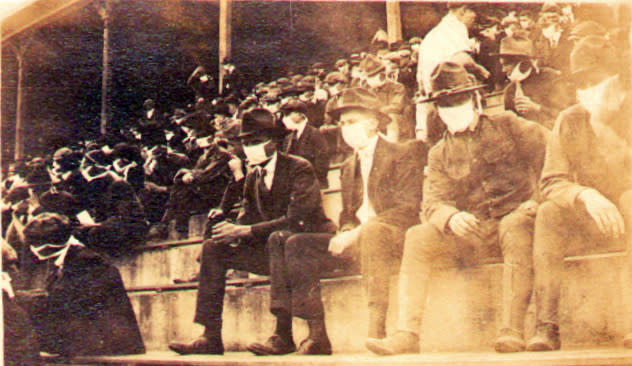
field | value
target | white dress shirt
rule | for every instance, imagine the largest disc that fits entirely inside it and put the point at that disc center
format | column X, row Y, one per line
column 365, row 212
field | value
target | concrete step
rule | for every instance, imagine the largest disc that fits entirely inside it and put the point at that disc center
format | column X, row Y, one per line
column 160, row 263
column 463, row 311
column 585, row 357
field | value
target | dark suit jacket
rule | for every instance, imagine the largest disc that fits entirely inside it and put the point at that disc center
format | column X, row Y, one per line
column 395, row 184
column 541, row 88
column 293, row 203
column 312, row 146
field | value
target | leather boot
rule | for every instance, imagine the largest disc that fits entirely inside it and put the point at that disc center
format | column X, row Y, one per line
column 317, row 342
column 547, row 338
column 399, row 343
column 509, row 340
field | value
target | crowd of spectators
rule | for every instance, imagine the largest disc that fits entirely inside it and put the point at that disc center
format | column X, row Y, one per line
column 113, row 193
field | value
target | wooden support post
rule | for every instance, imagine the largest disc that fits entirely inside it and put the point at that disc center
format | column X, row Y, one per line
column 104, row 9
column 19, row 50
column 225, row 25
column 393, row 21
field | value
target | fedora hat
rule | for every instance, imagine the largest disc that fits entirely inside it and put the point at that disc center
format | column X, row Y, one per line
column 517, row 44
column 587, row 28
column 336, row 77
column 260, row 121
column 362, row 99
column 294, row 105
column 372, row 65
column 590, row 54
column 450, row 78
column 47, row 228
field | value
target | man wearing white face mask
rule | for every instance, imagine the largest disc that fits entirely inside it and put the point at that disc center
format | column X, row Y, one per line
column 304, row 140
column 586, row 182
column 393, row 98
column 281, row 231
column 381, row 187
column 477, row 204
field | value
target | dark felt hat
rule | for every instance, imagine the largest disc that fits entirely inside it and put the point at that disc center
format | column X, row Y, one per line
column 60, row 202
column 294, row 105
column 587, row 28
column 47, row 228
column 336, row 77
column 359, row 98
column 518, row 44
column 591, row 54
column 450, row 78
column 372, row 65
column 341, row 62
column 260, row 122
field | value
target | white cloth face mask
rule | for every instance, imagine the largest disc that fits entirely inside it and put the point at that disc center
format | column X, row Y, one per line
column 457, row 118
column 256, row 154
column 355, row 135
column 592, row 98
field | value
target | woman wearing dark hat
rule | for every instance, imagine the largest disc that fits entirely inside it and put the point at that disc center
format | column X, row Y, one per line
column 86, row 310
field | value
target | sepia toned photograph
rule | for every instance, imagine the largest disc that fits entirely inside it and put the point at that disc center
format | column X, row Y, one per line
column 300, row 182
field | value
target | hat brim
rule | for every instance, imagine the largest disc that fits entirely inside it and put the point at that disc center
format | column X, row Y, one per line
column 376, row 71
column 382, row 117
column 450, row 92
column 271, row 132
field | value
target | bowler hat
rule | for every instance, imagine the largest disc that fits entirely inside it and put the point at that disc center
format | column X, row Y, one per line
column 336, row 77
column 47, row 228
column 359, row 98
column 294, row 105
column 372, row 65
column 592, row 53
column 587, row 28
column 517, row 44
column 341, row 62
column 551, row 7
column 260, row 122
column 414, row 40
column 380, row 37
column 450, row 78
column 60, row 202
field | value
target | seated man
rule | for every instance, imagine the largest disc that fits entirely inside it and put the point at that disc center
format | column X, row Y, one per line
column 531, row 93
column 281, row 231
column 586, row 180
column 195, row 190
column 381, row 192
column 304, row 140
column 477, row 194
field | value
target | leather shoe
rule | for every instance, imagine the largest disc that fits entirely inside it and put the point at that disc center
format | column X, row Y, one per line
column 627, row 341
column 547, row 338
column 510, row 340
column 398, row 343
column 201, row 345
column 312, row 347
column 275, row 345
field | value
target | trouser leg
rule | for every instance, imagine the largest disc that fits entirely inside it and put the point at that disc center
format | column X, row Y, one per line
column 423, row 244
column 381, row 248
column 216, row 260
column 516, row 242
column 280, row 290
column 306, row 256
column 551, row 235
column 625, row 207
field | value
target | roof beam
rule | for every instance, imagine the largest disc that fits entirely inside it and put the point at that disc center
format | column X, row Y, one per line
column 34, row 15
